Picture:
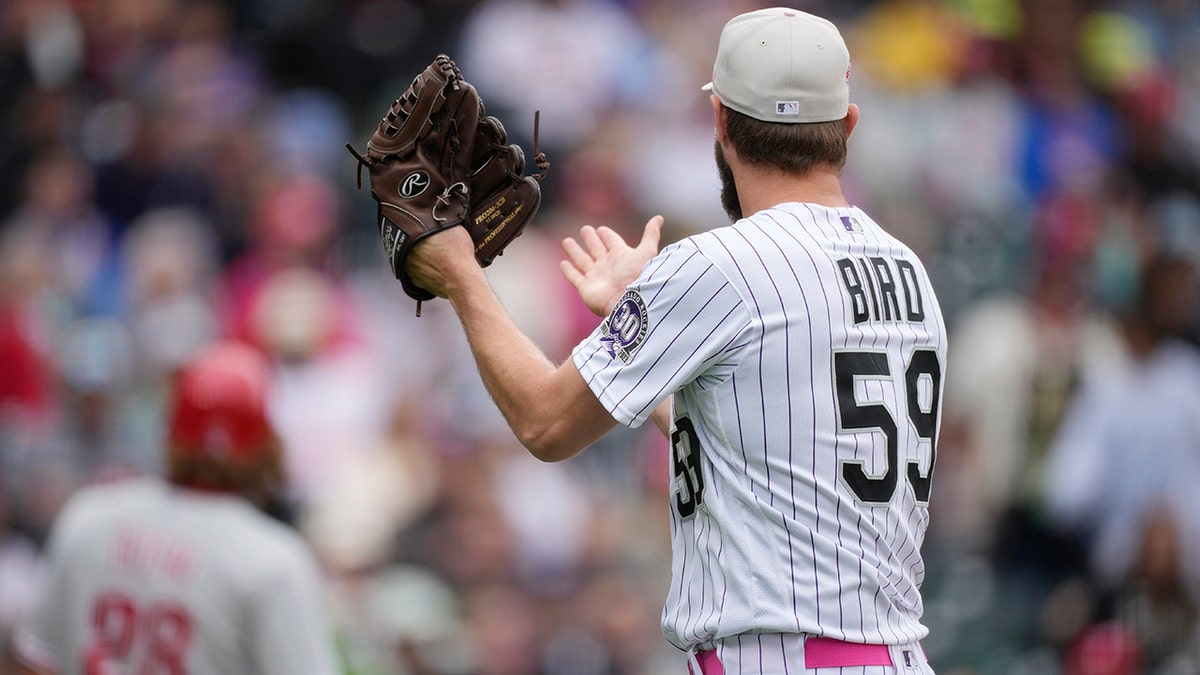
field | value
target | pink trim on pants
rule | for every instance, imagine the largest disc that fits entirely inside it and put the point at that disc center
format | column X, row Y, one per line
column 709, row 663
column 819, row 652
column 823, row 652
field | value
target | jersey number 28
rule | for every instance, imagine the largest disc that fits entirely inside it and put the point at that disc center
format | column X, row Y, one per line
column 163, row 630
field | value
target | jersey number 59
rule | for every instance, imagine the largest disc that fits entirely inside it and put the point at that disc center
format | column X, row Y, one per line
column 923, row 375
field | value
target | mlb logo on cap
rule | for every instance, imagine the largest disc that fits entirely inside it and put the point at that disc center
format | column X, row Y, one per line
column 791, row 108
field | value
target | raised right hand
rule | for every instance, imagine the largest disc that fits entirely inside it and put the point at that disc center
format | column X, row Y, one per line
column 604, row 265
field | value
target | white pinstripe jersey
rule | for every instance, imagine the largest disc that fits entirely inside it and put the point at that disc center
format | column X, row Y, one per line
column 146, row 578
column 805, row 349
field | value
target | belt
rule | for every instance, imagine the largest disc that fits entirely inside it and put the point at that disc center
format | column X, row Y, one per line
column 823, row 652
column 819, row 652
column 705, row 662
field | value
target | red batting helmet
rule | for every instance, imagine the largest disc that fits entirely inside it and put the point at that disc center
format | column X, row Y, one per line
column 219, row 406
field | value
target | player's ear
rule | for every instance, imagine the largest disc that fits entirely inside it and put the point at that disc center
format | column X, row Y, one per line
column 851, row 119
column 721, row 117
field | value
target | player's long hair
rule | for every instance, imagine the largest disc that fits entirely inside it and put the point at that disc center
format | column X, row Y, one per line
column 794, row 148
column 257, row 476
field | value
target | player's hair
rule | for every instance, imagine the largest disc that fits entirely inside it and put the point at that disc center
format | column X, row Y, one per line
column 794, row 148
column 258, row 476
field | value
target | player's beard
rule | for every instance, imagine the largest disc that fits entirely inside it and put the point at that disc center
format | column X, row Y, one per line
column 729, row 196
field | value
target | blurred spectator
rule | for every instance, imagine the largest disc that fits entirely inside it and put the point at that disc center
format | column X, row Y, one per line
column 416, row 618
column 297, row 318
column 1105, row 649
column 654, row 154
column 170, row 258
column 1122, row 471
column 549, row 545
column 504, row 629
column 294, row 225
column 96, row 369
column 910, row 45
column 72, row 244
column 1156, row 605
column 62, row 298
column 355, row 522
column 1019, row 362
column 27, row 380
column 41, row 55
column 311, row 140
column 1070, row 134
column 178, row 109
column 583, row 59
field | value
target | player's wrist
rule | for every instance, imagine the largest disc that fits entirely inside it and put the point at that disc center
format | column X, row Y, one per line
column 462, row 278
column 614, row 296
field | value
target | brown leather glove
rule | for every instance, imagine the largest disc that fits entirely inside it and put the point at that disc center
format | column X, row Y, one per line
column 419, row 163
column 436, row 161
column 503, row 198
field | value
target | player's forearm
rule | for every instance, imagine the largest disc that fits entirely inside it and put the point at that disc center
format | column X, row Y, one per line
column 511, row 366
column 550, row 410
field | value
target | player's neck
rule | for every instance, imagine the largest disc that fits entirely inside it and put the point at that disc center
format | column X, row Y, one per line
column 761, row 188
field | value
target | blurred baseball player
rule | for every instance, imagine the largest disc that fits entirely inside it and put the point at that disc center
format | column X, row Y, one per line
column 185, row 575
column 795, row 359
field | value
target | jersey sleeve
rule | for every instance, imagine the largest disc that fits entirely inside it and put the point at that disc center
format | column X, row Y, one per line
column 678, row 322
column 31, row 651
column 41, row 638
column 292, row 634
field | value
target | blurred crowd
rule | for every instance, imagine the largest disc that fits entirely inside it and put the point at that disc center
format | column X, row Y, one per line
column 172, row 171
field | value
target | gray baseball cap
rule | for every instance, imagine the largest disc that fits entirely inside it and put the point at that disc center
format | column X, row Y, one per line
column 782, row 65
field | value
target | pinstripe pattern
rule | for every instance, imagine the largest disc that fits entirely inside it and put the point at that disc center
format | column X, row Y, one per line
column 744, row 324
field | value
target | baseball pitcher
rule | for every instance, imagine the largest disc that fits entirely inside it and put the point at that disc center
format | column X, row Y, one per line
column 795, row 358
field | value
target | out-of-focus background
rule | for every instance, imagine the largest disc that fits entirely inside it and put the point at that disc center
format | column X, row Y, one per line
column 172, row 171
